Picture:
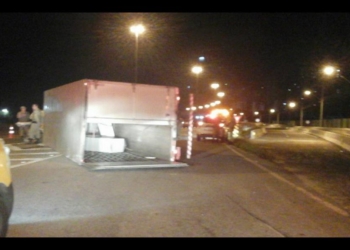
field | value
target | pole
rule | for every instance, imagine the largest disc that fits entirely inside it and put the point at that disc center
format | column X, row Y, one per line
column 321, row 105
column 190, row 129
column 196, row 87
column 301, row 116
column 321, row 112
column 136, row 54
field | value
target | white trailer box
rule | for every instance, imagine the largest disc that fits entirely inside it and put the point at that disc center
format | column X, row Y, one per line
column 93, row 117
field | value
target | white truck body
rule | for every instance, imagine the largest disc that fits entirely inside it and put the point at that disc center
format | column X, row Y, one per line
column 138, row 117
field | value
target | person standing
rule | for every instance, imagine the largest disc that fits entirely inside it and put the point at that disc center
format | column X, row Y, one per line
column 36, row 117
column 23, row 116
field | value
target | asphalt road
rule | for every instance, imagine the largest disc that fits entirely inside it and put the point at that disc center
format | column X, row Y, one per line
column 320, row 164
column 224, row 192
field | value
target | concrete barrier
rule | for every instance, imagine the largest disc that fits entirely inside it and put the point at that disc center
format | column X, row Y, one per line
column 338, row 136
column 258, row 132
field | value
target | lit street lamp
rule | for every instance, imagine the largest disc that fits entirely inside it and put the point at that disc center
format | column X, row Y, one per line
column 272, row 111
column 301, row 117
column 137, row 30
column 215, row 86
column 328, row 71
column 256, row 113
column 291, row 105
column 221, row 94
column 197, row 70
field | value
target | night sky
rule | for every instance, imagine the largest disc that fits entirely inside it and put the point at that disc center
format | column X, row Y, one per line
column 263, row 58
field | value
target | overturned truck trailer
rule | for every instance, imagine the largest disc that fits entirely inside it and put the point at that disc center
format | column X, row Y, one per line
column 104, row 124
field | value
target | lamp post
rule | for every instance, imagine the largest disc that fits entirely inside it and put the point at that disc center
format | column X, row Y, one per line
column 277, row 115
column 321, row 105
column 137, row 30
column 328, row 71
column 291, row 105
column 197, row 70
column 256, row 114
column 301, row 117
column 271, row 111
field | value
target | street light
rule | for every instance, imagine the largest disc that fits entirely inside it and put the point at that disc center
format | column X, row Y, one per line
column 328, row 71
column 307, row 92
column 221, row 94
column 197, row 70
column 137, row 30
column 256, row 113
column 215, row 86
column 301, row 117
column 272, row 111
column 291, row 105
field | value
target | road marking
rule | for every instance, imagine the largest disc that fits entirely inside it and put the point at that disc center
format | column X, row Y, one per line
column 26, row 159
column 316, row 198
column 37, row 160
column 40, row 153
column 17, row 152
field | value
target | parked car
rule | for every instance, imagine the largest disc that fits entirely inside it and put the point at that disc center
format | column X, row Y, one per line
column 6, row 189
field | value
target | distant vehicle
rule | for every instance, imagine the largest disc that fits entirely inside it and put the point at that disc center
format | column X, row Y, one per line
column 205, row 130
column 6, row 189
column 213, row 125
column 210, row 131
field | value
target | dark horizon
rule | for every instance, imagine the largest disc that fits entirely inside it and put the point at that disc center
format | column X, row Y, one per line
column 263, row 58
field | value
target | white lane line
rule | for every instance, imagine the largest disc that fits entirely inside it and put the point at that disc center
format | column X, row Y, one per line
column 316, row 198
column 26, row 163
column 14, row 148
column 27, row 159
column 37, row 148
column 40, row 153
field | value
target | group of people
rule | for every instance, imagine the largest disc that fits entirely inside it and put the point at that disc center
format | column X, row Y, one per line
column 30, row 125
